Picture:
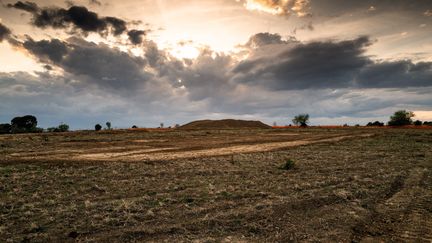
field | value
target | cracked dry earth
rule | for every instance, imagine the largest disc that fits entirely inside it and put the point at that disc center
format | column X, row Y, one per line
column 348, row 185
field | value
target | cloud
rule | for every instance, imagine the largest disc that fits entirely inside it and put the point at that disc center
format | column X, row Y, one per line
column 95, row 2
column 283, row 65
column 91, row 63
column 397, row 74
column 47, row 50
column 26, row 6
column 77, row 17
column 4, row 32
column 299, row 8
column 263, row 39
column 136, row 36
column 304, row 66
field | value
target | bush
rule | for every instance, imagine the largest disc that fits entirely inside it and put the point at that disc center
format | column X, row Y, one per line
column 401, row 118
column 418, row 123
column 5, row 128
column 289, row 165
column 427, row 123
column 98, row 127
column 375, row 124
column 134, row 127
column 61, row 128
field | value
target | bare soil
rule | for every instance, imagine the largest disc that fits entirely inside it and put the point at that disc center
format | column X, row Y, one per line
column 348, row 185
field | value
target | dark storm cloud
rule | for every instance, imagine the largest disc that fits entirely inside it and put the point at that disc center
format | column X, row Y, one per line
column 78, row 17
column 26, row 6
column 312, row 65
column 94, row 64
column 397, row 74
column 47, row 50
column 136, row 36
column 4, row 32
column 326, row 64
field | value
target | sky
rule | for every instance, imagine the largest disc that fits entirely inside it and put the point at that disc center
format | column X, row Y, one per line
column 146, row 62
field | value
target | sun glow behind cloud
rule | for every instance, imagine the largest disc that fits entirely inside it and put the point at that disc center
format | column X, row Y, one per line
column 279, row 7
column 185, row 51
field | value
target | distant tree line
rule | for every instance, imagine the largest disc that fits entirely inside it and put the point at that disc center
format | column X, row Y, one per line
column 399, row 118
column 28, row 124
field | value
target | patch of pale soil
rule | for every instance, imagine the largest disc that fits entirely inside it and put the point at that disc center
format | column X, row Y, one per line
column 286, row 134
column 263, row 147
column 105, row 156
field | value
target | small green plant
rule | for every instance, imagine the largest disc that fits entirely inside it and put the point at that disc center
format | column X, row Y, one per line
column 288, row 165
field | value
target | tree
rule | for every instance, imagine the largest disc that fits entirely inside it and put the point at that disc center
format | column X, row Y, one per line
column 427, row 123
column 401, row 118
column 24, row 124
column 5, row 128
column 134, row 127
column 108, row 124
column 63, row 127
column 301, row 119
column 98, row 127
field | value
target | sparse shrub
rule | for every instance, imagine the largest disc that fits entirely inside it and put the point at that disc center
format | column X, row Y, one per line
column 375, row 124
column 288, row 165
column 98, row 127
column 401, row 118
column 301, row 119
column 357, row 125
column 177, row 125
column 418, row 123
column 61, row 128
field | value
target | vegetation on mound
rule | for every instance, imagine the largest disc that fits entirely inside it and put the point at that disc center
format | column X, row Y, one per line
column 225, row 124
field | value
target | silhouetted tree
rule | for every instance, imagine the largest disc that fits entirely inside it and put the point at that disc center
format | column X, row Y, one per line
column 427, row 123
column 134, row 127
column 24, row 124
column 418, row 123
column 5, row 128
column 98, row 127
column 401, row 118
column 63, row 127
column 108, row 124
column 301, row 119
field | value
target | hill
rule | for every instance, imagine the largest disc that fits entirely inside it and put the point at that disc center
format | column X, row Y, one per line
column 225, row 124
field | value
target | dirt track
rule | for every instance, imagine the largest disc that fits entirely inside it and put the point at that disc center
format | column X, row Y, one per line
column 143, row 155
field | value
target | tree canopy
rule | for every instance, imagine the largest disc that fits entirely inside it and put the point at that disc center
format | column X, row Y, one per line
column 301, row 120
column 401, row 118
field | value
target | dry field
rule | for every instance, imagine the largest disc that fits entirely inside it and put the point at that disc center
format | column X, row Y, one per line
column 353, row 184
